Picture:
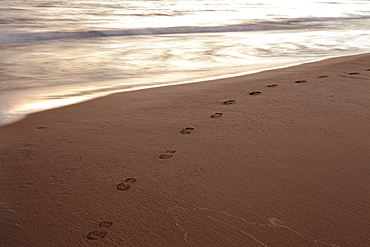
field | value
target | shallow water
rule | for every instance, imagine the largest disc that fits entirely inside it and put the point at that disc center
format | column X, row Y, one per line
column 61, row 52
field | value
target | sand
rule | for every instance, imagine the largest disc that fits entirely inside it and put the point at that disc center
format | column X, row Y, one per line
column 230, row 162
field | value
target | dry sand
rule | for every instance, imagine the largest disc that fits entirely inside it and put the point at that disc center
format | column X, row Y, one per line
column 286, row 167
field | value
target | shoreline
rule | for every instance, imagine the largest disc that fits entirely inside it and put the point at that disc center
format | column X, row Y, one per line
column 80, row 99
column 214, row 163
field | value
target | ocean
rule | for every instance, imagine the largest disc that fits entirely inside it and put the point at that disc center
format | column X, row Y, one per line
column 60, row 52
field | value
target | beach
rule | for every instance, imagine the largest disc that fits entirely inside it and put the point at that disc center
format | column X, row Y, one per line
column 276, row 158
column 96, row 48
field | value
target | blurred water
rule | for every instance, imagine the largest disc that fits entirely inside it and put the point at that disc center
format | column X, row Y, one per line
column 62, row 51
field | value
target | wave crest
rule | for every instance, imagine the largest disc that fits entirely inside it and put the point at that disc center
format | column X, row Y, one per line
column 259, row 25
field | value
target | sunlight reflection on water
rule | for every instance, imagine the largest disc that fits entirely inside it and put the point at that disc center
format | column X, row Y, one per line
column 94, row 48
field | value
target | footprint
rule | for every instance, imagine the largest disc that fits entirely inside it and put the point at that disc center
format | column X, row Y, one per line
column 99, row 234
column 169, row 154
column 165, row 156
column 216, row 115
column 354, row 73
column 229, row 102
column 300, row 81
column 126, row 184
column 123, row 186
column 96, row 235
column 322, row 76
column 186, row 131
column 41, row 127
column 272, row 85
column 368, row 70
column 24, row 152
column 105, row 224
column 130, row 180
column 255, row 93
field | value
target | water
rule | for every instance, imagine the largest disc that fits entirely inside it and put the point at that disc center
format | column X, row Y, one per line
column 60, row 52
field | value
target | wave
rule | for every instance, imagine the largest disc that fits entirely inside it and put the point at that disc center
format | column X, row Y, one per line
column 277, row 24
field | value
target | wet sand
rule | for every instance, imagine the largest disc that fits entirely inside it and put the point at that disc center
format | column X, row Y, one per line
column 278, row 158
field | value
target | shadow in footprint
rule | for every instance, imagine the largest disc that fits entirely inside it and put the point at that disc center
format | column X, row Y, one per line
column 229, row 102
column 105, row 224
column 24, row 152
column 354, row 73
column 255, row 93
column 126, row 184
column 165, row 156
column 187, row 130
column 99, row 234
column 217, row 115
column 272, row 85
column 130, row 180
column 169, row 154
column 123, row 186
column 322, row 76
column 96, row 235
column 300, row 81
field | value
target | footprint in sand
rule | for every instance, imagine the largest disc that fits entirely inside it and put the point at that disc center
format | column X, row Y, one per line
column 187, row 130
column 300, row 81
column 99, row 234
column 96, row 235
column 123, row 186
column 272, row 85
column 217, row 115
column 255, row 93
column 229, row 102
column 130, row 180
column 169, row 154
column 106, row 224
column 126, row 184
column 368, row 70
column 24, row 152
column 41, row 127
column 354, row 73
column 322, row 76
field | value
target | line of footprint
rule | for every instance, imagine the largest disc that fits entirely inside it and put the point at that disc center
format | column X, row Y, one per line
column 104, row 225
column 189, row 130
column 126, row 185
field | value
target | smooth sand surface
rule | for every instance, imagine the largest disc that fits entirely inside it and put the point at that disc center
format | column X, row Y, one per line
column 206, row 164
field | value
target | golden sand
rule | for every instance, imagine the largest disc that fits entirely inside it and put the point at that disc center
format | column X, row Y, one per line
column 278, row 158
